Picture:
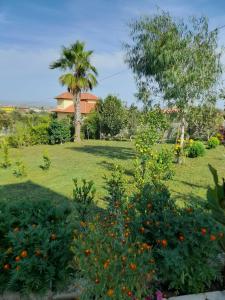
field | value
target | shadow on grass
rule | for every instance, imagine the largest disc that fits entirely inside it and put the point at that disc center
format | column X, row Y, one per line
column 28, row 191
column 107, row 151
column 192, row 185
column 110, row 167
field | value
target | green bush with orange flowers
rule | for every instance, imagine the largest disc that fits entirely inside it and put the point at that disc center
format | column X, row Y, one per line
column 185, row 241
column 113, row 259
column 146, row 242
column 35, row 242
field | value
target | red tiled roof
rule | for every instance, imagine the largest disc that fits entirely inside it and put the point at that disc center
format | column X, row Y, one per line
column 83, row 96
column 85, row 108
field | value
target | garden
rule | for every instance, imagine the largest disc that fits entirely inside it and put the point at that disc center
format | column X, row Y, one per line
column 127, row 203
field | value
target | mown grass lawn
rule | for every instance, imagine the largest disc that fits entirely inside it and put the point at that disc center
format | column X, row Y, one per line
column 92, row 160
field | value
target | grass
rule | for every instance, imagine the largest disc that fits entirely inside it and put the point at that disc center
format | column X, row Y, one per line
column 92, row 160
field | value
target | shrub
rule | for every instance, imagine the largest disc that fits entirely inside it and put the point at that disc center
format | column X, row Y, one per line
column 20, row 169
column 6, row 161
column 39, row 134
column 184, row 240
column 213, row 142
column 46, row 162
column 83, row 197
column 196, row 149
column 59, row 131
column 111, row 256
column 35, row 239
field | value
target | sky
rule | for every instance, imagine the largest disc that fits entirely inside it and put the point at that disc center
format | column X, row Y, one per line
column 32, row 33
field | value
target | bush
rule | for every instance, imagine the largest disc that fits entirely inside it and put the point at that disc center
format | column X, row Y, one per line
column 59, row 131
column 6, row 163
column 20, row 169
column 46, row 162
column 184, row 241
column 39, row 134
column 196, row 149
column 35, row 239
column 213, row 142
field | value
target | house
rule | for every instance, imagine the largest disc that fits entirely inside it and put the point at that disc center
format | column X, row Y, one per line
column 65, row 105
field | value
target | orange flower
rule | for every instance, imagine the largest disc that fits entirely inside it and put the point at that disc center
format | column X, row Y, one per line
column 24, row 254
column 133, row 266
column 7, row 267
column 87, row 252
column 181, row 238
column 110, row 292
column 212, row 237
column 129, row 294
column 164, row 243
column 17, row 258
column 106, row 264
column 203, row 231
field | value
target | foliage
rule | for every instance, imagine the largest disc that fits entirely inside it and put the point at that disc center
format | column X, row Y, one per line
column 110, row 254
column 20, row 169
column 83, row 197
column 59, row 131
column 184, row 240
column 216, row 201
column 35, row 244
column 91, row 126
column 132, row 120
column 213, row 142
column 178, row 60
column 112, row 116
column 46, row 161
column 115, row 185
column 151, row 131
column 5, row 120
column 81, row 77
column 5, row 149
column 203, row 121
column 196, row 149
column 157, row 168
column 39, row 134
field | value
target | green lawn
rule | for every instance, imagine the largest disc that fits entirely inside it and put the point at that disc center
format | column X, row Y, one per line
column 92, row 160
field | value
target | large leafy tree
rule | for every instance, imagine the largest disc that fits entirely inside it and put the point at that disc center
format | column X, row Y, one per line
column 112, row 115
column 181, row 60
column 80, row 76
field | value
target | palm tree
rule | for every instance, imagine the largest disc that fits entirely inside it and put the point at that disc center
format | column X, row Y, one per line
column 81, row 76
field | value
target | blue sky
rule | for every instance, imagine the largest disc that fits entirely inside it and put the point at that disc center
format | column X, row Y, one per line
column 33, row 31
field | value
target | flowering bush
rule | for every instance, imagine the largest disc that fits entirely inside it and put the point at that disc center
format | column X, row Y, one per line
column 184, row 240
column 35, row 242
column 213, row 142
column 196, row 149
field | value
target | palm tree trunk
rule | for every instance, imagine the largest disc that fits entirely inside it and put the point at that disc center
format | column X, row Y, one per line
column 77, row 117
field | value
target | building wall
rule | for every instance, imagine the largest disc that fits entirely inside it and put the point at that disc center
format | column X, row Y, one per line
column 63, row 103
column 61, row 116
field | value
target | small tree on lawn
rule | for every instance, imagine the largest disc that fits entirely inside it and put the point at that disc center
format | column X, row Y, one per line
column 182, row 60
column 81, row 76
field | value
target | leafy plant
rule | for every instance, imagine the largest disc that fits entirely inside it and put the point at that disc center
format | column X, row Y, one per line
column 213, row 142
column 115, row 185
column 46, row 162
column 184, row 240
column 20, row 169
column 216, row 200
column 110, row 254
column 83, row 199
column 59, row 131
column 6, row 163
column 35, row 239
column 196, row 149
